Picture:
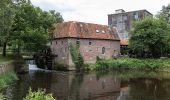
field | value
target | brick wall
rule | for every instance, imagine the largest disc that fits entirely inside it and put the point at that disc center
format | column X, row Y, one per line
column 90, row 52
column 60, row 47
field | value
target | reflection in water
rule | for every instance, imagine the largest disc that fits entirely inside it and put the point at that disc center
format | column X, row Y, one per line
column 104, row 88
column 92, row 86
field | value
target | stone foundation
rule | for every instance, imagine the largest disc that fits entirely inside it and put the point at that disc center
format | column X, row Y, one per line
column 7, row 67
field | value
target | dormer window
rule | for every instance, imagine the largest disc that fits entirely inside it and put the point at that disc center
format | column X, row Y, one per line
column 103, row 31
column 97, row 31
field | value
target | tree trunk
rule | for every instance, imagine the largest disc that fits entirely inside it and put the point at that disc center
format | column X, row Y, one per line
column 18, row 49
column 4, row 49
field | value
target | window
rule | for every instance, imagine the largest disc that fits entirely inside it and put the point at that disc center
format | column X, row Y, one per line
column 103, row 31
column 136, row 16
column 103, row 50
column 90, row 50
column 125, row 17
column 90, row 43
column 61, row 42
column 78, row 42
column 113, row 19
column 97, row 31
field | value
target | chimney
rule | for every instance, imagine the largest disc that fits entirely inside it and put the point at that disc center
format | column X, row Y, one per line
column 119, row 11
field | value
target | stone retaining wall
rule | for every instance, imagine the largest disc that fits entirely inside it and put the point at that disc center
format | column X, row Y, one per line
column 7, row 67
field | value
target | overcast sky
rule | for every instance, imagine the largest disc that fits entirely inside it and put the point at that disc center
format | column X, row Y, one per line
column 96, row 11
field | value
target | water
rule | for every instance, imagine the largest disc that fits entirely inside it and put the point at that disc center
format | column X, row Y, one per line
column 116, row 85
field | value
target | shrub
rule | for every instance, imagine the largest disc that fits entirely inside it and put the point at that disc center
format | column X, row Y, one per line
column 2, row 97
column 76, row 56
column 98, row 59
column 131, row 63
column 7, row 78
column 39, row 95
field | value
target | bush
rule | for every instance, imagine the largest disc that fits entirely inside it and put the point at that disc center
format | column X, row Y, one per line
column 98, row 59
column 76, row 56
column 2, row 97
column 7, row 78
column 131, row 63
column 39, row 95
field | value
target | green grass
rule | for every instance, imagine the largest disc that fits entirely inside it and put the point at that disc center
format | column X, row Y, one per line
column 132, row 74
column 6, row 79
column 131, row 63
column 8, row 58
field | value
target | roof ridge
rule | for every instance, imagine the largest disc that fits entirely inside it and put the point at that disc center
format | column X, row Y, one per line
column 84, row 23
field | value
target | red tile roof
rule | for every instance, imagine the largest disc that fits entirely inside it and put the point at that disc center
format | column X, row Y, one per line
column 124, row 42
column 84, row 30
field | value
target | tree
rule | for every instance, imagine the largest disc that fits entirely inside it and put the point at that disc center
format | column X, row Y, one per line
column 7, row 13
column 24, row 26
column 150, row 37
column 165, row 12
column 77, row 58
column 32, row 27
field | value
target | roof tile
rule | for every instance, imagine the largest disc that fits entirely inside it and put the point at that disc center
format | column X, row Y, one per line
column 85, row 30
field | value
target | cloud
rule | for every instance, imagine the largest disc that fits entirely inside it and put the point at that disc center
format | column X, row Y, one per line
column 52, row 5
column 96, row 11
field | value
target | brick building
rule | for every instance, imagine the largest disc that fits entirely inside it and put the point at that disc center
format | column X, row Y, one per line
column 94, row 40
column 123, row 22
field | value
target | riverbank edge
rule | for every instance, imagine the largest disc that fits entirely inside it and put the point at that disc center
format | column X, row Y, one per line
column 7, row 73
column 9, row 70
column 130, row 64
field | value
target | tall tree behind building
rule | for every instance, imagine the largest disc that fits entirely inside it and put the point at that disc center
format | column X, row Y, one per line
column 150, row 37
column 165, row 12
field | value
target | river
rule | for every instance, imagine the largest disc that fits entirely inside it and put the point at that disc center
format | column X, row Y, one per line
column 115, row 85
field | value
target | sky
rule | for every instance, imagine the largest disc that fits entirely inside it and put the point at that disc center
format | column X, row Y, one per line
column 96, row 11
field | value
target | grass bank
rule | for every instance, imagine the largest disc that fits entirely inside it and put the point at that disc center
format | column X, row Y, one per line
column 131, row 74
column 6, row 79
column 8, row 58
column 131, row 63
